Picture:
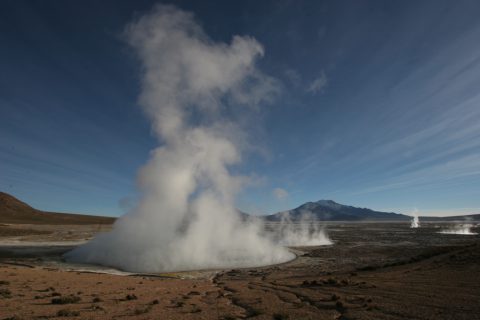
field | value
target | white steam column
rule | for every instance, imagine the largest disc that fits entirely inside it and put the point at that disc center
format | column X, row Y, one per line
column 198, row 94
column 415, row 222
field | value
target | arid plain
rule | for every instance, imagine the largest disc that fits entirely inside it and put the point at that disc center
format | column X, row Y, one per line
column 372, row 271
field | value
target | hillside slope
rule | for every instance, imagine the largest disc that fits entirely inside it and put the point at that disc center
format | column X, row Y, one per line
column 13, row 210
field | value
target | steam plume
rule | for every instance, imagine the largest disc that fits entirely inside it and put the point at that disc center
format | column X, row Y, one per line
column 305, row 232
column 415, row 223
column 186, row 218
column 461, row 229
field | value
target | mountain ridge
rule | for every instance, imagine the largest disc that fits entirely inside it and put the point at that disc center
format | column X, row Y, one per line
column 329, row 210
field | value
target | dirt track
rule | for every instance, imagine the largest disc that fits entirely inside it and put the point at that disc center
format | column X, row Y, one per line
column 373, row 271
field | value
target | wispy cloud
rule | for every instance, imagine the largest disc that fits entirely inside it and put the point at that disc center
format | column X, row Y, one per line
column 293, row 76
column 280, row 193
column 318, row 85
column 404, row 130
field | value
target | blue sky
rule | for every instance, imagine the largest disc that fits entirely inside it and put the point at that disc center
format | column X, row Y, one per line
column 379, row 103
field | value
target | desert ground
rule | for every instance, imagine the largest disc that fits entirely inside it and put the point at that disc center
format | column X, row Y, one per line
column 372, row 271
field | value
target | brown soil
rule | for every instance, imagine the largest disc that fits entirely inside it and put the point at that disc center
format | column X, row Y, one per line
column 50, row 233
column 373, row 271
column 7, row 231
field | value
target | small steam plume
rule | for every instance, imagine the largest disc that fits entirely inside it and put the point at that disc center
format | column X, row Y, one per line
column 192, row 88
column 460, row 229
column 304, row 232
column 415, row 222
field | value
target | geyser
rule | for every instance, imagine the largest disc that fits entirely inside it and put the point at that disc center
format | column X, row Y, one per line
column 192, row 90
column 415, row 223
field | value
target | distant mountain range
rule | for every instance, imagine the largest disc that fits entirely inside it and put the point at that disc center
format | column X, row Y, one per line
column 465, row 218
column 13, row 210
column 329, row 210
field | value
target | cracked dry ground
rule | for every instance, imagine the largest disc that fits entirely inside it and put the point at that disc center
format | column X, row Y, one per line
column 372, row 272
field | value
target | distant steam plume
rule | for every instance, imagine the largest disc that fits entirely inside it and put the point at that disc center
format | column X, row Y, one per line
column 191, row 87
column 460, row 229
column 415, row 223
column 303, row 232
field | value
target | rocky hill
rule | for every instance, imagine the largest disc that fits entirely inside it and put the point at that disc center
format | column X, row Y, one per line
column 13, row 210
